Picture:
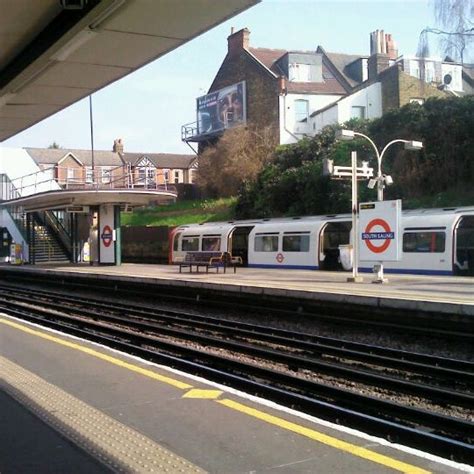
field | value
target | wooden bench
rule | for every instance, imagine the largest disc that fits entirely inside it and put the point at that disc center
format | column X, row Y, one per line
column 209, row 260
column 202, row 259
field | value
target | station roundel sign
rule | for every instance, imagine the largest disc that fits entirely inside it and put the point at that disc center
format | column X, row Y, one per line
column 387, row 235
column 106, row 236
column 280, row 257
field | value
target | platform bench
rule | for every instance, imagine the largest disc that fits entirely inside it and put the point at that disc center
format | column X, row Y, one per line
column 229, row 261
column 202, row 259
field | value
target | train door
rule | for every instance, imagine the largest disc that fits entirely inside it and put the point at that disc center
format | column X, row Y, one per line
column 331, row 236
column 239, row 243
column 463, row 255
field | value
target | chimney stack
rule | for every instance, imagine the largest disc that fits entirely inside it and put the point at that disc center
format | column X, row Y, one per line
column 238, row 41
column 118, row 146
column 383, row 49
column 383, row 43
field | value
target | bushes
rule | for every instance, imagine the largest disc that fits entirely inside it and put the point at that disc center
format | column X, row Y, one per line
column 292, row 184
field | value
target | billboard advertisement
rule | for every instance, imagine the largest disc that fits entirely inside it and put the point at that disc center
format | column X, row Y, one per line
column 221, row 109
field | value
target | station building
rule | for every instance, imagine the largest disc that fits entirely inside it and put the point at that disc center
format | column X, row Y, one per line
column 56, row 208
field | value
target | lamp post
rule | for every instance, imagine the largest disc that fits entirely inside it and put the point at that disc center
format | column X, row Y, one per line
column 381, row 180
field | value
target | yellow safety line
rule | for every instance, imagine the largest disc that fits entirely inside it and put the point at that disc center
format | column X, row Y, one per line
column 324, row 439
column 100, row 355
column 281, row 423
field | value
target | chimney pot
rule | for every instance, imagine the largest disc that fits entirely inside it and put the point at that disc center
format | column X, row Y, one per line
column 118, row 145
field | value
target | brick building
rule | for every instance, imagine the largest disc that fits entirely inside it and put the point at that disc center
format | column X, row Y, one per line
column 115, row 168
column 297, row 93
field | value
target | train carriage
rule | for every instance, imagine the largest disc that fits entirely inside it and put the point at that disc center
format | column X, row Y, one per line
column 434, row 241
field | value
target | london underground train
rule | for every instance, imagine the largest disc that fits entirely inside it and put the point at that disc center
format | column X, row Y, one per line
column 434, row 242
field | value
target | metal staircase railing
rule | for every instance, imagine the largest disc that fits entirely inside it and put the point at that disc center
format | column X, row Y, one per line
column 56, row 229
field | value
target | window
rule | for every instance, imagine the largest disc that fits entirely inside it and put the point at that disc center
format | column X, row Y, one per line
column 190, row 243
column 429, row 72
column 414, row 68
column 211, row 243
column 296, row 243
column 166, row 174
column 105, row 175
column 424, row 242
column 266, row 243
column 299, row 72
column 358, row 112
column 176, row 242
column 71, row 174
column 301, row 110
column 89, row 175
column 178, row 176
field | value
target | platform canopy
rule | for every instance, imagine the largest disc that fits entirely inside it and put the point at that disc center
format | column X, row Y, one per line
column 55, row 52
column 62, row 199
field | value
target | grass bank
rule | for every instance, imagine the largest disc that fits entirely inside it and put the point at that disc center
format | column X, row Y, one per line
column 183, row 212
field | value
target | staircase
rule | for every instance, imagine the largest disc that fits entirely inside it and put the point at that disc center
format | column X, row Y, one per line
column 46, row 249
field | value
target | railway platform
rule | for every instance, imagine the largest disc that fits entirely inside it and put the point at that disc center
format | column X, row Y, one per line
column 135, row 416
column 452, row 296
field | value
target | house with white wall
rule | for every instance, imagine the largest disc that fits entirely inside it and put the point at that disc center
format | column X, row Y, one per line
column 298, row 93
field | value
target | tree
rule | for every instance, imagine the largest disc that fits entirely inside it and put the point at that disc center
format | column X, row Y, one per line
column 54, row 146
column 441, row 174
column 238, row 156
column 457, row 33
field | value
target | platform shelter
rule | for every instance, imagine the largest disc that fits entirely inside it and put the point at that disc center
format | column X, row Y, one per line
column 79, row 221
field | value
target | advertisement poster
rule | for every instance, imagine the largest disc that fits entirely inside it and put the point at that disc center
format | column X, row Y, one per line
column 221, row 109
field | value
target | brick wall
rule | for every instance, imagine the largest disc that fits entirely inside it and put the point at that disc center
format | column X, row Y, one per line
column 413, row 88
column 262, row 88
column 398, row 88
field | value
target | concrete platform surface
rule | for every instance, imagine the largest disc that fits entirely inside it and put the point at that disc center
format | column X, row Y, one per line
column 454, row 295
column 95, row 396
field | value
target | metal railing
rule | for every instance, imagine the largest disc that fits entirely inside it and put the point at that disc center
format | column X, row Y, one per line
column 7, row 189
column 56, row 178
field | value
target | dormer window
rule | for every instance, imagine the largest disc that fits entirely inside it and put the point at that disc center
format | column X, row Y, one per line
column 299, row 72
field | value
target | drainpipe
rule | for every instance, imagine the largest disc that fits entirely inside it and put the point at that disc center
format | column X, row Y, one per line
column 284, row 92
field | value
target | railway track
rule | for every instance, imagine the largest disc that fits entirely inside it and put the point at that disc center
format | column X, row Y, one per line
column 278, row 365
column 425, row 324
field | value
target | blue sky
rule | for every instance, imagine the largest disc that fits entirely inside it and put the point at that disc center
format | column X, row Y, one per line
column 147, row 108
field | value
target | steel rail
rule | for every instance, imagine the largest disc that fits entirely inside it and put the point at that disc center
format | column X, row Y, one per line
column 220, row 368
column 433, row 362
column 435, row 394
column 246, row 302
column 461, row 371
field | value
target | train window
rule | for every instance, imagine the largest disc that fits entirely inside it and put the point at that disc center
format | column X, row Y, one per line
column 211, row 244
column 190, row 243
column 296, row 243
column 176, row 241
column 424, row 242
column 266, row 243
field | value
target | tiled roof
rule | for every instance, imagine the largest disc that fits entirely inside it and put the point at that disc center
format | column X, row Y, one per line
column 329, row 86
column 162, row 160
column 47, row 156
column 269, row 57
column 341, row 61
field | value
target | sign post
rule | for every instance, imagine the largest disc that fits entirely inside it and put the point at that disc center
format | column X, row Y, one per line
column 354, row 172
column 380, row 237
